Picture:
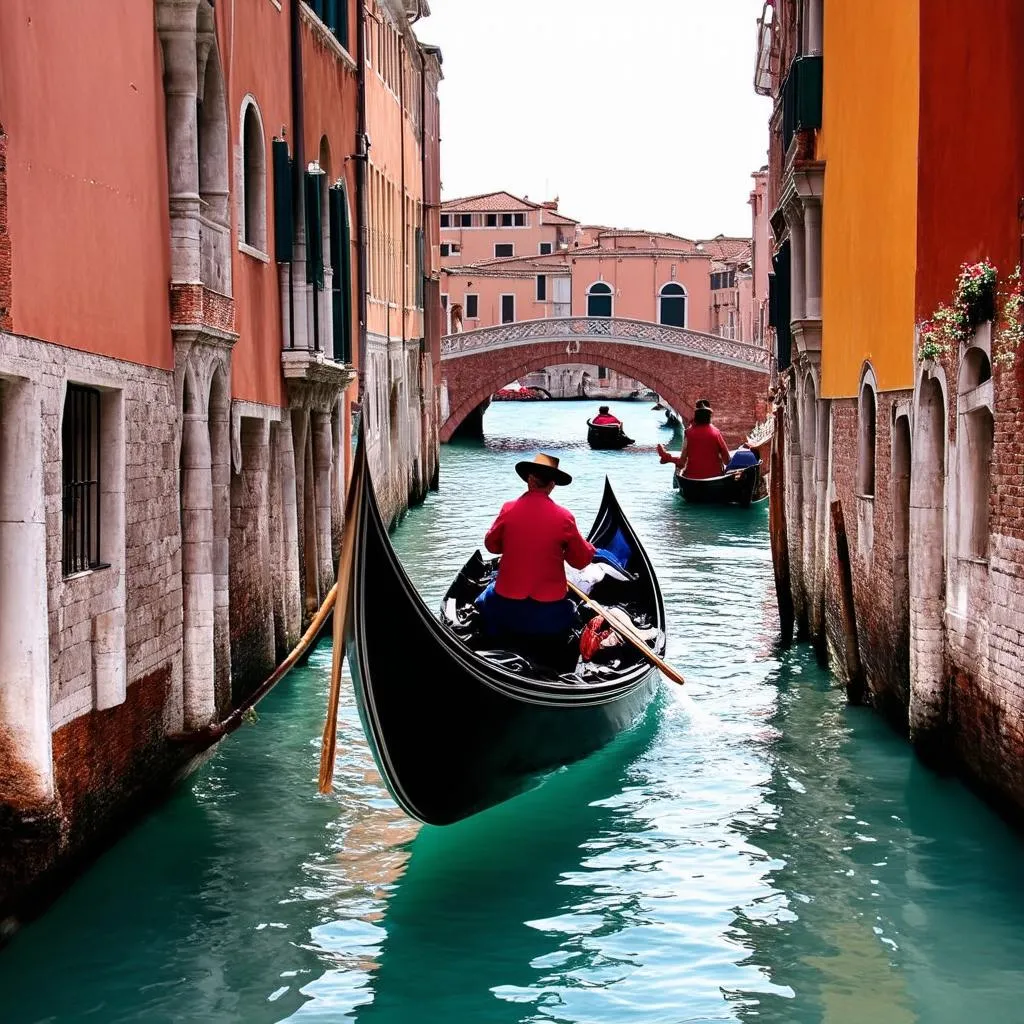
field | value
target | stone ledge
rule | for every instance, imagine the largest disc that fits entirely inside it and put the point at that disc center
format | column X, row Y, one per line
column 313, row 380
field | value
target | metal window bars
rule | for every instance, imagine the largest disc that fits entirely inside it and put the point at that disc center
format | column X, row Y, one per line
column 80, row 434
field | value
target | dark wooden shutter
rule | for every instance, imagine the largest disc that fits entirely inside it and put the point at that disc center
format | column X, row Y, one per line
column 282, row 202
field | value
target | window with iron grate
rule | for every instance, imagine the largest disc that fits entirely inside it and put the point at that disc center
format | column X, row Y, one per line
column 80, row 437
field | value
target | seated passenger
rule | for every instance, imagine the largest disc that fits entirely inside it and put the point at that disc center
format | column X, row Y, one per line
column 605, row 418
column 742, row 458
column 527, row 606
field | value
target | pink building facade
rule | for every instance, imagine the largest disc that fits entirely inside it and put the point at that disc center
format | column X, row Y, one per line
column 507, row 259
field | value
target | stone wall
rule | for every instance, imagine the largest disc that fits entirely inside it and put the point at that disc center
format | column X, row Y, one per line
column 936, row 555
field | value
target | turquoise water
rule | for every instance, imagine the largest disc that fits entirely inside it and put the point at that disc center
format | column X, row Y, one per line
column 755, row 851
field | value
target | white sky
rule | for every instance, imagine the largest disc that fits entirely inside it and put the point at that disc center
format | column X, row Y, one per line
column 637, row 114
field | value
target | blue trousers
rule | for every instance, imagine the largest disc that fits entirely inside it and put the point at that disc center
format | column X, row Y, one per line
column 503, row 615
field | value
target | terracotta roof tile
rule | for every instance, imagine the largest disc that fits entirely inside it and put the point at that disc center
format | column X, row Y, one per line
column 489, row 202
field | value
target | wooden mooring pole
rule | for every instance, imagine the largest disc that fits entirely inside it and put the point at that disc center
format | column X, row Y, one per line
column 851, row 652
column 777, row 532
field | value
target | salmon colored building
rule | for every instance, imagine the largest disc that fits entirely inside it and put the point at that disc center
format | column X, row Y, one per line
column 899, row 540
column 185, row 191
column 507, row 259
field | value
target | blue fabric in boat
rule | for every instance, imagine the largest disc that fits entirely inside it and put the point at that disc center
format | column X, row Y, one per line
column 504, row 615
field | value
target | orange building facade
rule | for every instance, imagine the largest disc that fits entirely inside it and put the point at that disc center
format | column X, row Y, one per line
column 898, row 520
column 187, row 334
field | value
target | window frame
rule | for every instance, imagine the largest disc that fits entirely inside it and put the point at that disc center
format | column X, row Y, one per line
column 504, row 245
column 475, row 315
column 258, row 245
column 89, row 400
column 542, row 252
column 609, row 295
column 501, row 307
column 541, row 288
column 446, row 220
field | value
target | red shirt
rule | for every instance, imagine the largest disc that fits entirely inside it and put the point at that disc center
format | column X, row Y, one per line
column 707, row 454
column 600, row 421
column 535, row 537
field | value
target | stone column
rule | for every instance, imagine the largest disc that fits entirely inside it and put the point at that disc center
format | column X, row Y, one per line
column 323, row 459
column 27, row 776
column 198, row 698
column 813, row 28
column 220, row 472
column 292, row 596
column 798, row 283
column 252, row 614
column 327, row 314
column 176, row 27
column 812, row 259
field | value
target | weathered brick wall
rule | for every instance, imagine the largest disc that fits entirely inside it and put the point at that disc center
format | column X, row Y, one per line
column 5, row 241
column 737, row 394
column 986, row 656
column 881, row 612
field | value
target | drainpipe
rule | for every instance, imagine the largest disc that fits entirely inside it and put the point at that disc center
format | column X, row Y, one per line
column 362, row 206
column 298, row 165
column 401, row 122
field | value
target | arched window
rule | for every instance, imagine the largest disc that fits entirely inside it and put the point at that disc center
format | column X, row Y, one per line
column 599, row 299
column 672, row 305
column 254, row 178
column 974, row 451
column 866, row 447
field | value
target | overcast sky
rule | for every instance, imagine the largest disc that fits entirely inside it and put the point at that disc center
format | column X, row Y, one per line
column 638, row 114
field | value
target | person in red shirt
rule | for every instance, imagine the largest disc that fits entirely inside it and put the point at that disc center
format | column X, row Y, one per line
column 605, row 418
column 705, row 453
column 527, row 605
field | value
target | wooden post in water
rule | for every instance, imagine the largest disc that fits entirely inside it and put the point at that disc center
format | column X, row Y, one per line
column 851, row 652
column 777, row 532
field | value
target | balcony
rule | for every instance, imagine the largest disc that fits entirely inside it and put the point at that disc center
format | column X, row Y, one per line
column 801, row 98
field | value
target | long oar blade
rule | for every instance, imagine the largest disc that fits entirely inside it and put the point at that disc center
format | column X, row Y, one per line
column 346, row 567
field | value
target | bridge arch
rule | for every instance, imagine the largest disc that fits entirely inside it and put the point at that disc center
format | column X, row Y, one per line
column 668, row 391
column 679, row 364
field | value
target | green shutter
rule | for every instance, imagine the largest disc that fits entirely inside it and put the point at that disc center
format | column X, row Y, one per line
column 420, row 267
column 282, row 202
column 341, row 285
column 314, row 232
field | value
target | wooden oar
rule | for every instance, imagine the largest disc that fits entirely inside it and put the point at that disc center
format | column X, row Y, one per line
column 631, row 637
column 346, row 561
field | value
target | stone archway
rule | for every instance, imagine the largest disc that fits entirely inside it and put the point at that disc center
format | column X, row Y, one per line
column 928, row 691
column 901, row 470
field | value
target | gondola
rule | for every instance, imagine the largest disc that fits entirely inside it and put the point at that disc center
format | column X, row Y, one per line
column 607, row 436
column 737, row 487
column 456, row 726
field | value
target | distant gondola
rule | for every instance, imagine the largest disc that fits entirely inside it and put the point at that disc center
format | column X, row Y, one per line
column 455, row 727
column 607, row 436
column 737, row 487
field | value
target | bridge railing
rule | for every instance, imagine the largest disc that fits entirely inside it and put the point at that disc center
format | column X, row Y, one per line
column 574, row 329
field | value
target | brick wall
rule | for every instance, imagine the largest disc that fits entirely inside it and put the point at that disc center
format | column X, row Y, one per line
column 738, row 395
column 5, row 241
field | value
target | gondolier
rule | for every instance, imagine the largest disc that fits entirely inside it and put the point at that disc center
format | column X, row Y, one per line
column 705, row 453
column 527, row 604
column 605, row 419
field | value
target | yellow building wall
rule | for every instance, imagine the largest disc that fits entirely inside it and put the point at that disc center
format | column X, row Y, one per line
column 869, row 222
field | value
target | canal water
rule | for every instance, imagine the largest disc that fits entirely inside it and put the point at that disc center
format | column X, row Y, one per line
column 754, row 851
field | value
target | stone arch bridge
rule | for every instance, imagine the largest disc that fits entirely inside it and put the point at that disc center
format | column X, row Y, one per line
column 681, row 365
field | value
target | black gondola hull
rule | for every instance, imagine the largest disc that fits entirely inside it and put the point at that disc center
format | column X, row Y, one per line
column 607, row 437
column 452, row 732
column 736, row 488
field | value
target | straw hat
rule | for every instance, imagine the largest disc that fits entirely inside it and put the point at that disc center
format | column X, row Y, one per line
column 544, row 466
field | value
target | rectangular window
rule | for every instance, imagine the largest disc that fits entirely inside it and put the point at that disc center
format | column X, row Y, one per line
column 602, row 373
column 444, row 300
column 508, row 309
column 506, row 220
column 520, row 220
column 450, row 248
column 491, row 220
column 80, row 438
column 472, row 307
column 446, row 220
column 545, row 248
column 503, row 249
column 542, row 288
column 466, row 220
